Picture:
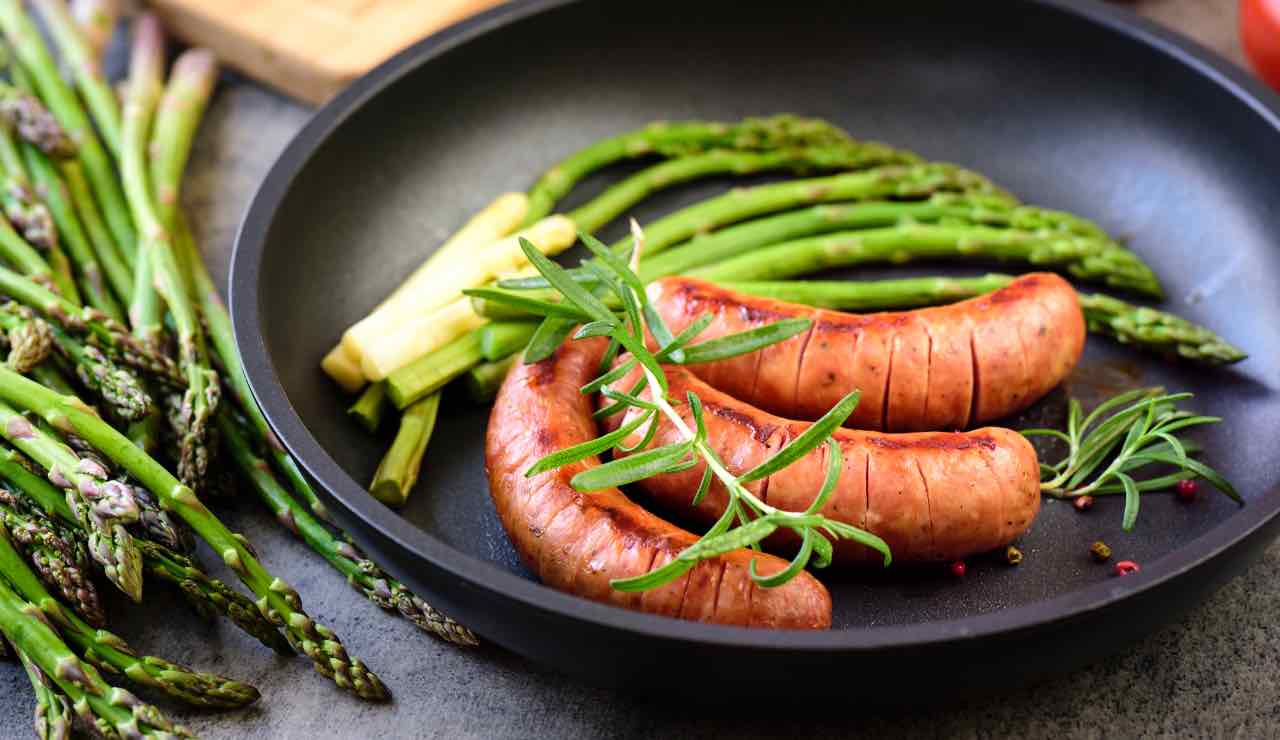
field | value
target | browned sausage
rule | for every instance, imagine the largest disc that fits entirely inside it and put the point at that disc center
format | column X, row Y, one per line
column 946, row 367
column 932, row 496
column 578, row 542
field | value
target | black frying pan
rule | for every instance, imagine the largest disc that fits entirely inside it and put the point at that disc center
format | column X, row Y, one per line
column 1079, row 107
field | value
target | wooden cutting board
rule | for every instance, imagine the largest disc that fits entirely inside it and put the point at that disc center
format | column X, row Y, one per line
column 310, row 49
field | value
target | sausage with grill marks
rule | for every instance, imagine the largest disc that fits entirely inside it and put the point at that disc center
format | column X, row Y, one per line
column 946, row 367
column 933, row 496
column 577, row 542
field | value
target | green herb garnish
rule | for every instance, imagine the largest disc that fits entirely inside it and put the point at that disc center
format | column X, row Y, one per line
column 746, row 520
column 1106, row 448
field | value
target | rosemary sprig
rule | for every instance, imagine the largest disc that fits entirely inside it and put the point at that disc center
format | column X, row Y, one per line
column 1106, row 448
column 747, row 520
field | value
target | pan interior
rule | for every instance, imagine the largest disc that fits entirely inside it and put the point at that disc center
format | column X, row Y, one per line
column 1111, row 130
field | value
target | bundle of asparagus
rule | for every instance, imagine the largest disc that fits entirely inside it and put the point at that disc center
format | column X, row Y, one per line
column 880, row 205
column 111, row 394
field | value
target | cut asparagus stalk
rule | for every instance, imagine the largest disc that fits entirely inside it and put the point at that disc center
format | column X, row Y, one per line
column 363, row 574
column 34, row 57
column 111, row 654
column 1083, row 257
column 370, row 407
column 156, row 251
column 483, row 380
column 833, row 157
column 430, row 373
column 81, row 47
column 501, row 338
column 491, row 224
column 375, row 338
column 398, row 472
column 677, row 139
column 112, row 711
column 279, row 602
column 415, row 339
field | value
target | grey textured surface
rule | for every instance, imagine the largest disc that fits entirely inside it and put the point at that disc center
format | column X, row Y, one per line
column 1216, row 674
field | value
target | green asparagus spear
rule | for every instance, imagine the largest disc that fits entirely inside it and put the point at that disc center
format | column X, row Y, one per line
column 84, row 261
column 1156, row 330
column 430, row 373
column 278, row 601
column 181, row 107
column 83, row 61
column 54, row 555
column 114, row 338
column 370, row 407
column 34, row 58
column 1146, row 328
column 396, row 475
column 103, row 507
column 499, row 339
column 112, row 711
column 158, row 268
column 483, row 380
column 23, row 113
column 1083, row 257
column 115, row 265
column 941, row 208
column 617, row 199
column 361, row 573
column 118, row 387
column 52, row 720
column 109, row 653
column 677, row 139
column 211, row 597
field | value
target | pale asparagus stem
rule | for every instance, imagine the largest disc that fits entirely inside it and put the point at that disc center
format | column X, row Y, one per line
column 202, row 392
column 113, row 711
column 52, row 720
column 278, row 601
column 35, row 59
column 677, row 139
column 363, row 574
column 102, row 506
column 111, row 654
column 80, row 39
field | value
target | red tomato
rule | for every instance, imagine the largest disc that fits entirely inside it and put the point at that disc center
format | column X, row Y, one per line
column 1260, row 34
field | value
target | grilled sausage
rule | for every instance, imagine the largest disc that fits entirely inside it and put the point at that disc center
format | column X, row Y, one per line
column 578, row 542
column 933, row 496
column 946, row 367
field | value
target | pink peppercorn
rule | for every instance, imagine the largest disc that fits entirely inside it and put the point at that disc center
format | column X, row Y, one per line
column 1125, row 567
column 1187, row 489
column 1083, row 503
column 958, row 569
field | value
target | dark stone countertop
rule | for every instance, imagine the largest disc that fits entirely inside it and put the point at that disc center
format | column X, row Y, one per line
column 1215, row 674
